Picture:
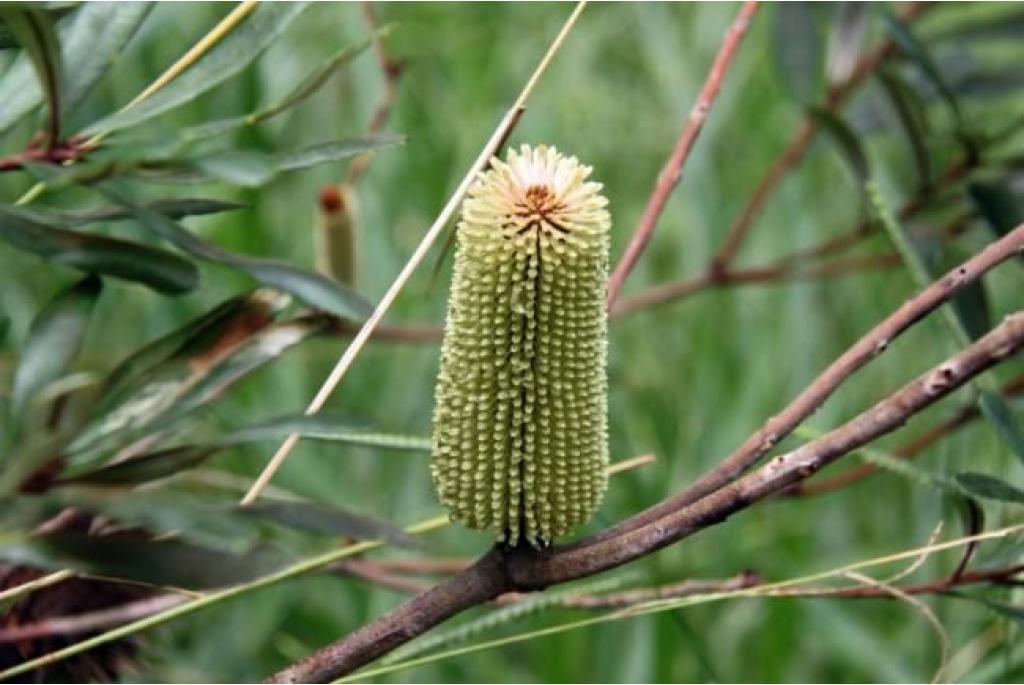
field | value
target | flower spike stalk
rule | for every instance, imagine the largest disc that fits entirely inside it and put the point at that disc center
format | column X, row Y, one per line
column 520, row 423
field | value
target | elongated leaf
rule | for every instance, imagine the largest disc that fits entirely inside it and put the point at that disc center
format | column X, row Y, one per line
column 980, row 485
column 174, row 208
column 253, row 169
column 1010, row 611
column 154, row 380
column 846, row 142
column 316, row 78
column 92, row 40
column 53, row 341
column 911, row 116
column 845, row 41
column 36, row 32
column 313, row 289
column 321, row 518
column 161, row 270
column 99, row 35
column 992, row 26
column 799, row 50
column 916, row 52
column 146, row 468
column 233, row 53
column 998, row 413
column 325, row 426
column 1001, row 208
column 130, row 557
column 197, row 338
column 167, row 462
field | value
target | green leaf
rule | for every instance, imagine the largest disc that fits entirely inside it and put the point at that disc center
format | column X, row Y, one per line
column 911, row 115
column 36, row 32
column 159, row 269
column 313, row 289
column 799, row 48
column 845, row 41
column 53, row 341
column 132, row 557
column 980, row 485
column 1000, row 207
column 1010, row 611
column 174, row 208
column 321, row 518
column 916, row 52
column 998, row 413
column 95, row 42
column 155, row 380
column 230, row 56
column 846, row 142
column 325, row 426
column 145, row 468
column 253, row 169
column 316, row 78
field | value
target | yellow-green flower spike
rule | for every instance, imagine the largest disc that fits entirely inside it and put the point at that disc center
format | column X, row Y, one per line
column 520, row 425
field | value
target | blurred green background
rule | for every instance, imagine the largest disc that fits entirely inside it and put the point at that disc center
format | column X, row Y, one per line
column 689, row 380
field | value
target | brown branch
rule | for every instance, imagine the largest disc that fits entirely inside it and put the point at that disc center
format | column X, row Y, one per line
column 392, row 72
column 523, row 569
column 863, row 351
column 965, row 416
column 794, row 152
column 672, row 172
column 59, row 153
column 91, row 621
column 772, row 273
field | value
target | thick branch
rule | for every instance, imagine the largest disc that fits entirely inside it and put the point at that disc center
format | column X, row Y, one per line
column 522, row 569
column 672, row 172
column 864, row 350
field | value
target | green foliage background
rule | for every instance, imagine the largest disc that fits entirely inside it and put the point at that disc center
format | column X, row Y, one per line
column 689, row 381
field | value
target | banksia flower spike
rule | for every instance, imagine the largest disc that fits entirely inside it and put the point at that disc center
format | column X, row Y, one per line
column 520, row 423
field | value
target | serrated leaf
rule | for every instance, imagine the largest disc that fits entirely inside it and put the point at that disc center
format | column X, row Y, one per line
column 313, row 289
column 325, row 426
column 312, row 82
column 799, row 49
column 132, row 557
column 981, row 485
column 36, row 32
column 321, row 518
column 846, row 141
column 998, row 413
column 845, row 41
column 231, row 55
column 159, row 269
column 53, row 341
column 910, row 113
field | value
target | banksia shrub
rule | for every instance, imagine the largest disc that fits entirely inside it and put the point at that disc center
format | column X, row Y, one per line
column 520, row 423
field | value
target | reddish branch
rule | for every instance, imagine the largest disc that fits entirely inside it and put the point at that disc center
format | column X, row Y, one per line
column 794, row 152
column 523, row 569
column 59, row 153
column 672, row 172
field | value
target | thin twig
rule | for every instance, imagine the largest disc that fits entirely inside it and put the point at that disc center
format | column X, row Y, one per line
column 872, row 344
column 672, row 172
column 502, row 131
column 524, row 569
column 794, row 152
